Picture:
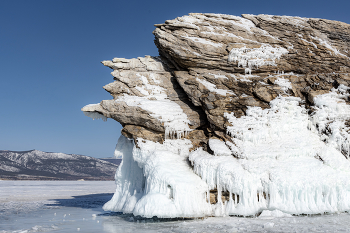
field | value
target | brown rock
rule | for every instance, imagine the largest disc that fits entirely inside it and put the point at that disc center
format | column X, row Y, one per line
column 203, row 64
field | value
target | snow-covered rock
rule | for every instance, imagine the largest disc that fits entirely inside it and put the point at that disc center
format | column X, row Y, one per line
column 39, row 165
column 237, row 116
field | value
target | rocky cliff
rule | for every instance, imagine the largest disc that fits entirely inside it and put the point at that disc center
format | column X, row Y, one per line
column 253, row 111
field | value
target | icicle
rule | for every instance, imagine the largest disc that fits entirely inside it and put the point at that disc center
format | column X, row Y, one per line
column 95, row 115
column 256, row 57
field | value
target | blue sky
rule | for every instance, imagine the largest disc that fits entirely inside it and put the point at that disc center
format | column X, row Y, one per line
column 50, row 53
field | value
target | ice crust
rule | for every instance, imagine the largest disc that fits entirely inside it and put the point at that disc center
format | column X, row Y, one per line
column 250, row 58
column 280, row 160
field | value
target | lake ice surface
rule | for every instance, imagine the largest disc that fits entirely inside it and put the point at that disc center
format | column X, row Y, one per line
column 76, row 206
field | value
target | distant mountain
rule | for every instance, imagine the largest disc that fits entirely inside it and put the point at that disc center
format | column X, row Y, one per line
column 39, row 165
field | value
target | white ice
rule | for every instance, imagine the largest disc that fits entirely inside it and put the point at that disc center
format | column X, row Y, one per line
column 284, row 83
column 219, row 147
column 331, row 113
column 250, row 58
column 52, row 206
column 281, row 160
column 156, row 180
column 60, row 212
column 277, row 160
column 93, row 115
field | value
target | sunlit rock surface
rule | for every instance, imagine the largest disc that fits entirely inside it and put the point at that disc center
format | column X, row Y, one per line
column 236, row 115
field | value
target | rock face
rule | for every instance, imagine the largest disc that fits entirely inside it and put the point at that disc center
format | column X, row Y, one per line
column 259, row 106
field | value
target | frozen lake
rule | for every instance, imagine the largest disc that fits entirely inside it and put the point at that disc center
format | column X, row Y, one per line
column 72, row 206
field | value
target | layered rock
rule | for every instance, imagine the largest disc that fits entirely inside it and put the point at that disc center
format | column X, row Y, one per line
column 253, row 102
column 148, row 101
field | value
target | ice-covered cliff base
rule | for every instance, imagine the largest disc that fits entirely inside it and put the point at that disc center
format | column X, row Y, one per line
column 284, row 163
column 237, row 115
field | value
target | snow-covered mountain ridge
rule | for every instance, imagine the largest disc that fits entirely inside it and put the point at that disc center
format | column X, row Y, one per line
column 39, row 165
column 236, row 115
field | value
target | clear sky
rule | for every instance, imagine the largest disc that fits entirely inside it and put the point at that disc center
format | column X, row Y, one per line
column 50, row 53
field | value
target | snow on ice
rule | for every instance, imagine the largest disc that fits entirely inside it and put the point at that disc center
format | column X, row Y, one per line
column 59, row 211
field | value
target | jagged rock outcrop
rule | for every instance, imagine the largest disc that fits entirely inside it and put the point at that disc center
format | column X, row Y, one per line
column 256, row 89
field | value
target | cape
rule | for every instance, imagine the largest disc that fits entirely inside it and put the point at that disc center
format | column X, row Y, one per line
column 40, row 165
column 235, row 116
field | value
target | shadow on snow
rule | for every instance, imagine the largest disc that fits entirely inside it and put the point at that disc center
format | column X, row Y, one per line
column 90, row 201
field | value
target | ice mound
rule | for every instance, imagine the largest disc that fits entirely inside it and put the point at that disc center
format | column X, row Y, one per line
column 157, row 180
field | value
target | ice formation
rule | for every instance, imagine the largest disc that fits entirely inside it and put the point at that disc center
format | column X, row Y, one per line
column 276, row 167
column 285, row 84
column 157, row 180
column 250, row 58
column 265, row 143
column 93, row 115
column 278, row 147
column 330, row 116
